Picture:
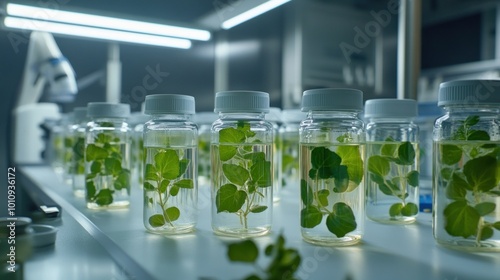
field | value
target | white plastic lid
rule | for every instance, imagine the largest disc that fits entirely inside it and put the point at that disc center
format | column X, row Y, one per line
column 241, row 101
column 293, row 115
column 391, row 108
column 169, row 104
column 327, row 99
column 469, row 92
column 108, row 110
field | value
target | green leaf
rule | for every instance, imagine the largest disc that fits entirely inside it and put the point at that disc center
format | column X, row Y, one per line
column 461, row 219
column 305, row 193
column 185, row 184
column 478, row 135
column 95, row 167
column 229, row 198
column 150, row 173
column 323, row 157
column 245, row 127
column 94, row 152
column 167, row 163
column 410, row 209
column 389, row 149
column 254, row 157
column 174, row 190
column 112, row 166
column 79, row 148
column 385, row 189
column 227, row 152
column 245, row 251
column 104, row 138
column 377, row 178
column 481, row 173
column 446, row 173
column 122, row 181
column 163, row 186
column 323, row 197
column 235, row 174
column 406, row 154
column 450, row 154
column 412, row 178
column 379, row 165
column 496, row 225
column 183, row 165
column 261, row 173
column 395, row 209
column 90, row 190
column 258, row 208
column 172, row 214
column 148, row 186
column 341, row 176
column 310, row 216
column 471, row 121
column 104, row 197
column 486, row 233
column 351, row 158
column 485, row 208
column 341, row 221
column 455, row 191
column 156, row 220
column 232, row 135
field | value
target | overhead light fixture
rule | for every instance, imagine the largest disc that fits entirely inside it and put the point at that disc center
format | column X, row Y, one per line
column 106, row 22
column 98, row 33
column 262, row 8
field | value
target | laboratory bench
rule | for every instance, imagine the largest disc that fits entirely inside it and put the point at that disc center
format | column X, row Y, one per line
column 113, row 244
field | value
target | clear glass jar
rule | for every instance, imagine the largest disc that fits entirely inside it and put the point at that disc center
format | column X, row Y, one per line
column 242, row 162
column 289, row 143
column 204, row 122
column 332, row 152
column 170, row 164
column 77, row 166
column 392, row 154
column 274, row 117
column 67, row 125
column 466, row 166
column 107, row 162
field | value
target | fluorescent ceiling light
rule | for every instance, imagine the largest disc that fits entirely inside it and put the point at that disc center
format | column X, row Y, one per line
column 106, row 22
column 99, row 33
column 269, row 5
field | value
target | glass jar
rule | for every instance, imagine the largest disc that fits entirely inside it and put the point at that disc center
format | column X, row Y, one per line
column 77, row 167
column 392, row 154
column 274, row 117
column 242, row 162
column 204, row 122
column 289, row 143
column 332, row 152
column 107, row 162
column 466, row 166
column 136, row 122
column 170, row 164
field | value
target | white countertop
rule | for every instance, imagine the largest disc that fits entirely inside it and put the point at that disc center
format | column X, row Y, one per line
column 386, row 252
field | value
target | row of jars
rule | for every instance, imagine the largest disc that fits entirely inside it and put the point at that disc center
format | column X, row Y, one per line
column 346, row 168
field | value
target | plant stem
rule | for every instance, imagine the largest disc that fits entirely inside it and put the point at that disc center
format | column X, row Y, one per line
column 480, row 226
column 316, row 197
column 162, row 204
column 403, row 184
